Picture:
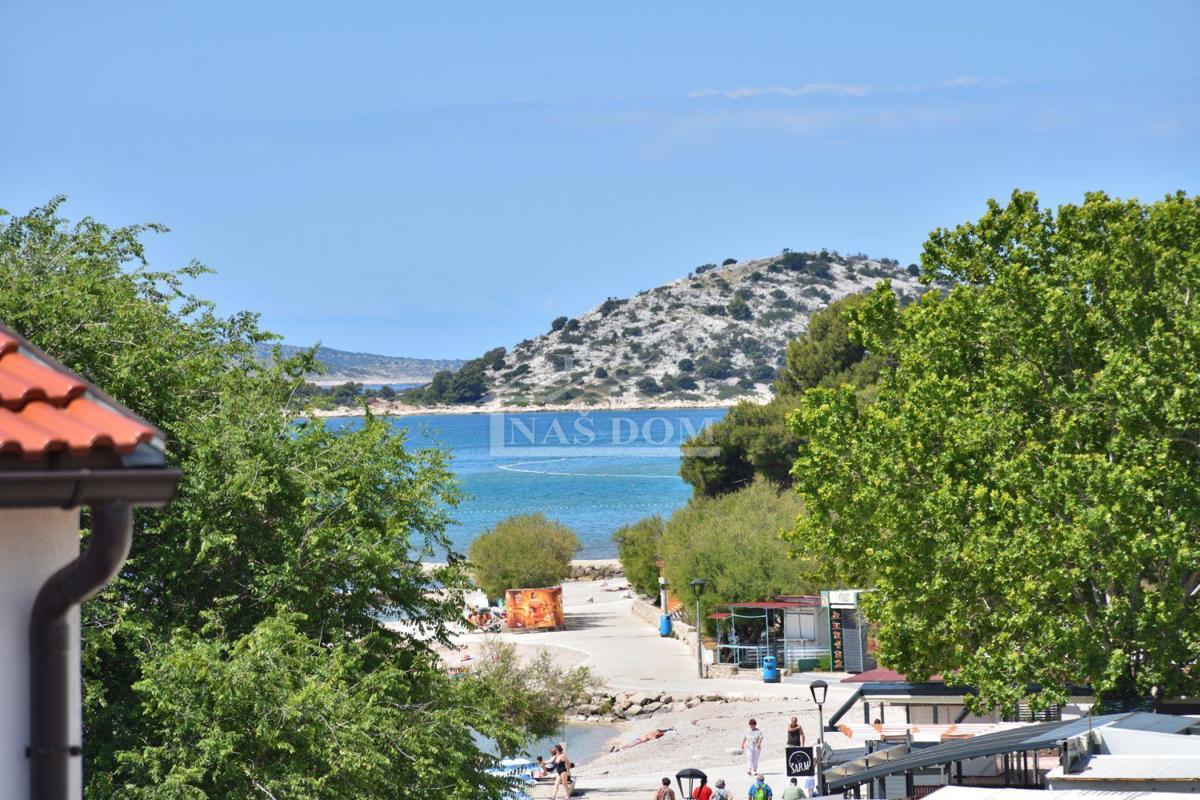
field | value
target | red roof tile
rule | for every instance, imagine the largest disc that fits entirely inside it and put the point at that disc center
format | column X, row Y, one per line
column 883, row 675
column 45, row 409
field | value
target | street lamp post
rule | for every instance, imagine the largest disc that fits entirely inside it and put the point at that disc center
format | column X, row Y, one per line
column 819, row 688
column 698, row 587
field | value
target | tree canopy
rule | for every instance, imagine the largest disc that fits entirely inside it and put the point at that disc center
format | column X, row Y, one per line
column 1024, row 497
column 247, row 618
column 734, row 543
column 522, row 551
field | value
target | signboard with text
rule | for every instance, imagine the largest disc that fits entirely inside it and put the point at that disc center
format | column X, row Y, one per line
column 800, row 762
column 837, row 648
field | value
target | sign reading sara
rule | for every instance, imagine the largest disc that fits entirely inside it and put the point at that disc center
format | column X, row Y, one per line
column 800, row 762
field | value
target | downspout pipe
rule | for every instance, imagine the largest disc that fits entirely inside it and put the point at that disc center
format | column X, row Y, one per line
column 50, row 638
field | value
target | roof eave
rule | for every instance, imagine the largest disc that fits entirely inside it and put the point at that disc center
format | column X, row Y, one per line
column 71, row 488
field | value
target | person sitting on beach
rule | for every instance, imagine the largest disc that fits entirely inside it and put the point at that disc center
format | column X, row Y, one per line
column 542, row 770
column 665, row 792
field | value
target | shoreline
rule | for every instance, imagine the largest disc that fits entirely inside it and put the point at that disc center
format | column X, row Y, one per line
column 397, row 409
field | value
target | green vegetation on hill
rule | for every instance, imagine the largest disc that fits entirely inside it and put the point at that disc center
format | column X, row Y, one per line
column 370, row 367
column 730, row 323
column 467, row 385
column 240, row 651
column 1024, row 496
column 350, row 393
column 755, row 440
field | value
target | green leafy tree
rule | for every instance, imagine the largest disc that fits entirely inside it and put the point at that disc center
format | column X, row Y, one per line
column 827, row 355
column 1025, row 495
column 467, row 385
column 735, row 543
column 534, row 689
column 284, row 535
column 277, row 713
column 756, row 440
column 637, row 548
column 523, row 551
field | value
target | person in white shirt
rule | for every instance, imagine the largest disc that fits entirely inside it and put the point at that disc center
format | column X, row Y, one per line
column 752, row 747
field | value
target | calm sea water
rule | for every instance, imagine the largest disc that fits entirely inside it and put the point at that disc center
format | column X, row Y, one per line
column 593, row 472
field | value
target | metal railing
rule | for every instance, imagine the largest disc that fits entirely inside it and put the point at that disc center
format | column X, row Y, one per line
column 787, row 652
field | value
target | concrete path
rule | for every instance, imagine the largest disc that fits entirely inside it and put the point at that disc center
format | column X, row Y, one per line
column 627, row 653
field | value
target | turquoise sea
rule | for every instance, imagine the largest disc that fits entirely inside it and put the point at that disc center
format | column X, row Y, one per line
column 592, row 471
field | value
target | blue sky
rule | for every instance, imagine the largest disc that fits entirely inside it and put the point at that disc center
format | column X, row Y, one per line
column 437, row 179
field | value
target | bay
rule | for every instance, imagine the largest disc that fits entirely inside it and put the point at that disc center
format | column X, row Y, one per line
column 593, row 471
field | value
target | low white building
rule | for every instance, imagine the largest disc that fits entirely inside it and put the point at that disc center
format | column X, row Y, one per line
column 64, row 446
column 1113, row 759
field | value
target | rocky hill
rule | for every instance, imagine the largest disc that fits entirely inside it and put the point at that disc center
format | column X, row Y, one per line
column 717, row 335
column 344, row 365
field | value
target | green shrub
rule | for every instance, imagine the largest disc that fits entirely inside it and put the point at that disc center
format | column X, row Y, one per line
column 524, row 551
column 648, row 386
column 738, row 309
column 733, row 542
column 637, row 548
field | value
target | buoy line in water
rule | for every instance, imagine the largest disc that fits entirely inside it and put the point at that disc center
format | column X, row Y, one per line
column 514, row 467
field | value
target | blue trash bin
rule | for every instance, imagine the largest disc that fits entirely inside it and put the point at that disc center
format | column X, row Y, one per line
column 664, row 625
column 770, row 669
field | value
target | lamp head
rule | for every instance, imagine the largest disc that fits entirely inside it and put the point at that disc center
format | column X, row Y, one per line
column 662, row 581
column 698, row 585
column 818, row 688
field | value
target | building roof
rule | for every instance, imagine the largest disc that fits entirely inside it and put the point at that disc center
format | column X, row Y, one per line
column 45, row 408
column 769, row 604
column 985, row 793
column 1140, row 767
column 881, row 675
column 1037, row 736
column 64, row 442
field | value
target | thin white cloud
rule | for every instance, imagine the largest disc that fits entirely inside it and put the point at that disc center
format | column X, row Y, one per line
column 848, row 89
column 841, row 89
column 971, row 81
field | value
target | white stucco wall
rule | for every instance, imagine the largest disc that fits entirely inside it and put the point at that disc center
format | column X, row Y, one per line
column 34, row 543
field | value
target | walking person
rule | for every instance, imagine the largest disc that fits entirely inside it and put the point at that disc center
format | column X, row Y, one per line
column 759, row 790
column 702, row 792
column 792, row 791
column 721, row 793
column 562, row 771
column 752, row 741
column 795, row 734
column 665, row 792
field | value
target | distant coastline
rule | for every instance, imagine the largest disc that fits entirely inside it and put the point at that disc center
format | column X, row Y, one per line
column 388, row 380
column 394, row 408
